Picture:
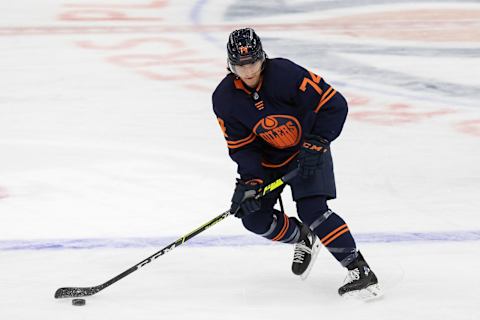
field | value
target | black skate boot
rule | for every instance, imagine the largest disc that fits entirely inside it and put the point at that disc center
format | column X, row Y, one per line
column 361, row 282
column 305, row 251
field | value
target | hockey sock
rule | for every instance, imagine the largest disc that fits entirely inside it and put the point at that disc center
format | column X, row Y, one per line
column 283, row 229
column 329, row 227
column 273, row 225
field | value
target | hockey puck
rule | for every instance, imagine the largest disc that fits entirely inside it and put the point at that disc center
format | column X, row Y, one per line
column 78, row 302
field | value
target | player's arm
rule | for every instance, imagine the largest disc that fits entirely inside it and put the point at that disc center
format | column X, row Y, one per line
column 325, row 114
column 243, row 147
column 329, row 106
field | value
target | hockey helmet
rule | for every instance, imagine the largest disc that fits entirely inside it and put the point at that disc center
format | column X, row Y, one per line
column 244, row 47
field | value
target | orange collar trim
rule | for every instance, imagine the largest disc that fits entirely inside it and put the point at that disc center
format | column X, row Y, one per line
column 239, row 85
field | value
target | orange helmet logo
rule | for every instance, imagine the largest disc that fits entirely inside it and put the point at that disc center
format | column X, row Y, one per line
column 243, row 50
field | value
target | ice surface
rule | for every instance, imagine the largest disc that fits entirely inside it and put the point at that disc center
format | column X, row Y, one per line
column 109, row 150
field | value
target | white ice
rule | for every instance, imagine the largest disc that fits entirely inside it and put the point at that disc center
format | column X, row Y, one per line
column 107, row 135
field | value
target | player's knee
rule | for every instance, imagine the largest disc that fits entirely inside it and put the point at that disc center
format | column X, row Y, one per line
column 309, row 209
column 259, row 222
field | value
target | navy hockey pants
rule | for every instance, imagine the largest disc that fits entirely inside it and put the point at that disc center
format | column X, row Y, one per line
column 311, row 197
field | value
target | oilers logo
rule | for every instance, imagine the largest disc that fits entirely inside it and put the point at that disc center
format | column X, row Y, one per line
column 280, row 131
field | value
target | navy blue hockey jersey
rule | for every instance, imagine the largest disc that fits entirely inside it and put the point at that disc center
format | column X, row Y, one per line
column 264, row 126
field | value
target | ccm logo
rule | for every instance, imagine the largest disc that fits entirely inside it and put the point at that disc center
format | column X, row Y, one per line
column 313, row 147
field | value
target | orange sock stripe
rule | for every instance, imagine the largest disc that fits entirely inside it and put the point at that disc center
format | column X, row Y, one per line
column 283, row 231
column 332, row 234
column 336, row 236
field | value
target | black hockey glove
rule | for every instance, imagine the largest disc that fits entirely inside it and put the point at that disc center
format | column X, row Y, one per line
column 310, row 156
column 243, row 200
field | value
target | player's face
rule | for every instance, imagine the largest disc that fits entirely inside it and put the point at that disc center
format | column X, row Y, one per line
column 250, row 73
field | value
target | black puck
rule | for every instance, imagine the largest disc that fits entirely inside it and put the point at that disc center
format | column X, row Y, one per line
column 78, row 302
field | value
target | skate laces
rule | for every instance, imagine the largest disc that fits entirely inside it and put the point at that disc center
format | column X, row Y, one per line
column 353, row 275
column 299, row 251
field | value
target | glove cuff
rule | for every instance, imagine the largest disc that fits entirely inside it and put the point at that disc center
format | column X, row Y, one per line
column 317, row 139
column 254, row 182
column 250, row 182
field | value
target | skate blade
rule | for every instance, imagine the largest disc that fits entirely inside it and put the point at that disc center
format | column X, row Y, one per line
column 315, row 250
column 369, row 293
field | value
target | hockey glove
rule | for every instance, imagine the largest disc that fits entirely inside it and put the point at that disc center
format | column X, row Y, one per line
column 310, row 156
column 243, row 200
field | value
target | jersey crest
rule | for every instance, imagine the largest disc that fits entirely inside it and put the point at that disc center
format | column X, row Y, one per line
column 280, row 131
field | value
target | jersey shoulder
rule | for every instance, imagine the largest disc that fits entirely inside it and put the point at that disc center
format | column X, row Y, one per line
column 283, row 77
column 223, row 95
column 286, row 67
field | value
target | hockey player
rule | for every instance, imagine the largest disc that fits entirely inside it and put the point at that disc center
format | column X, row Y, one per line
column 276, row 116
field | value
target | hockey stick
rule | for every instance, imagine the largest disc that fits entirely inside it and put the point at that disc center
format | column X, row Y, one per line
column 72, row 292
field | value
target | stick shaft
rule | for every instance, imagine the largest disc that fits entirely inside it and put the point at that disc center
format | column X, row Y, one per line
column 72, row 292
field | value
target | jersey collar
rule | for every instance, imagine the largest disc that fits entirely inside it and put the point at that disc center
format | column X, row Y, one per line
column 241, row 86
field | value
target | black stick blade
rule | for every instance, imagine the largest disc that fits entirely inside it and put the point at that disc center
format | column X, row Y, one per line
column 76, row 292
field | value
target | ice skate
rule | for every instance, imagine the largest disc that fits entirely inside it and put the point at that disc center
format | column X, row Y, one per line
column 361, row 282
column 305, row 251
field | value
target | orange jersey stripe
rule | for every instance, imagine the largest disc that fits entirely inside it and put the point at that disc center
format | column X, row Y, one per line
column 271, row 165
column 332, row 234
column 327, row 96
column 240, row 143
column 329, row 90
column 259, row 105
column 241, row 140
